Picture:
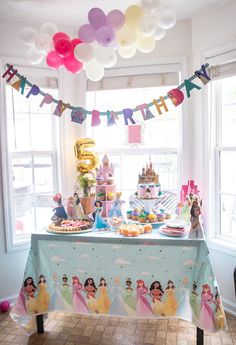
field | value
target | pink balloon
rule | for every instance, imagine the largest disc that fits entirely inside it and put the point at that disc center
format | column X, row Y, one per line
column 53, row 60
column 59, row 35
column 105, row 36
column 73, row 65
column 4, row 306
column 115, row 19
column 63, row 47
column 87, row 33
column 96, row 17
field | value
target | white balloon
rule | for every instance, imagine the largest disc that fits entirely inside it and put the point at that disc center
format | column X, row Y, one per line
column 127, row 53
column 84, row 52
column 105, row 56
column 34, row 55
column 159, row 33
column 44, row 42
column 94, row 71
column 166, row 18
column 28, row 36
column 145, row 44
column 150, row 5
column 49, row 29
column 148, row 25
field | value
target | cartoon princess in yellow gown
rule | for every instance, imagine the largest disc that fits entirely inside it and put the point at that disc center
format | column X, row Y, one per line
column 90, row 289
column 43, row 298
column 219, row 313
column 103, row 298
column 170, row 304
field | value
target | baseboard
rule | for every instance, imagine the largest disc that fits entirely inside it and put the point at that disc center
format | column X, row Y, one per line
column 229, row 306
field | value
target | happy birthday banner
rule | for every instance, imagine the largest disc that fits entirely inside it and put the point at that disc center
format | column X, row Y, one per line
column 79, row 114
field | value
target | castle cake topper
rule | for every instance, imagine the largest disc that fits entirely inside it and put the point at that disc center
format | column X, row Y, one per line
column 105, row 173
column 148, row 175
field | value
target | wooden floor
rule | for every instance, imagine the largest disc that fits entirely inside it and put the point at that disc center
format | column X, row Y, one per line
column 72, row 329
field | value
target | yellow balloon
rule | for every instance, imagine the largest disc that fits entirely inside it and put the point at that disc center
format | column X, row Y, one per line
column 126, row 37
column 133, row 15
column 145, row 44
column 87, row 160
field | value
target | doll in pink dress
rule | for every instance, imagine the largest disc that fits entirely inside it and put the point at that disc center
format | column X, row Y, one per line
column 143, row 307
column 206, row 319
column 79, row 303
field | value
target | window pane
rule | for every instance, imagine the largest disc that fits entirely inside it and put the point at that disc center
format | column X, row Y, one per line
column 24, row 214
column 43, row 210
column 22, row 175
column 43, row 174
column 228, row 215
column 41, row 132
column 228, row 172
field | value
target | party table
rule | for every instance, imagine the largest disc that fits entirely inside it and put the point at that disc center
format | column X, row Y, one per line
column 102, row 272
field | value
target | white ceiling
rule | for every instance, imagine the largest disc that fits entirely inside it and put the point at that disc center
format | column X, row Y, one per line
column 73, row 13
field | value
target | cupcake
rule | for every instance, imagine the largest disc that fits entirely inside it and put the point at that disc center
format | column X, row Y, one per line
column 168, row 215
column 152, row 217
column 110, row 196
column 129, row 214
column 101, row 196
column 142, row 218
column 134, row 215
column 161, row 217
column 110, row 179
column 99, row 180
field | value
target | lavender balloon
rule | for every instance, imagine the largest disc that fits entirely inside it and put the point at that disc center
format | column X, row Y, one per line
column 105, row 36
column 87, row 33
column 115, row 19
column 96, row 17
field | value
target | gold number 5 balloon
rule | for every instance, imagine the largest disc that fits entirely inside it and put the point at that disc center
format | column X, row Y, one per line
column 87, row 160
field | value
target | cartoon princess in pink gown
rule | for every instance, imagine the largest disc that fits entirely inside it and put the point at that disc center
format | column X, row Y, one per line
column 79, row 303
column 206, row 319
column 143, row 307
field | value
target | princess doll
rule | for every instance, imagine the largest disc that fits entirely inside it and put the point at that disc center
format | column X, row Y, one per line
column 206, row 319
column 99, row 222
column 43, row 297
column 170, row 304
column 117, row 305
column 78, row 300
column 143, row 307
column 59, row 211
column 29, row 290
column 66, row 293
column 90, row 289
column 115, row 210
column 103, row 298
column 56, row 302
column 129, row 298
column 156, row 292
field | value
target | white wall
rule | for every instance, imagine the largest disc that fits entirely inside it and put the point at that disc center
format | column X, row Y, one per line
column 211, row 31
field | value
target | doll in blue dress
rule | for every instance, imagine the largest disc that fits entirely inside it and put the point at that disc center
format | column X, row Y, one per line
column 59, row 211
column 99, row 222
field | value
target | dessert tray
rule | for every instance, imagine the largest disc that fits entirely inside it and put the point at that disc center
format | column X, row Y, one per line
column 174, row 229
column 68, row 232
column 70, row 227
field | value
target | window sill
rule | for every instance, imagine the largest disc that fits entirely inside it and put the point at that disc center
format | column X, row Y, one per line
column 19, row 245
column 222, row 246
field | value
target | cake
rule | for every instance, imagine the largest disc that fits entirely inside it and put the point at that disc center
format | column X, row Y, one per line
column 148, row 183
column 70, row 226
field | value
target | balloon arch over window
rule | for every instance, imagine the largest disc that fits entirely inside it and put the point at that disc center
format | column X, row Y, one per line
column 99, row 41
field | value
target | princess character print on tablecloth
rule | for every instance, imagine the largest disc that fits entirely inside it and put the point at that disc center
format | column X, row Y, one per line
column 129, row 298
column 66, row 293
column 143, row 307
column 79, row 303
column 29, row 290
column 56, row 301
column 156, row 293
column 20, row 306
column 43, row 298
column 170, row 303
column 90, row 289
column 195, row 302
column 219, row 313
column 117, row 304
column 206, row 319
column 184, row 308
column 103, row 298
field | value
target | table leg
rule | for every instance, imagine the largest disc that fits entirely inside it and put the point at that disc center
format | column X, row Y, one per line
column 40, row 326
column 200, row 336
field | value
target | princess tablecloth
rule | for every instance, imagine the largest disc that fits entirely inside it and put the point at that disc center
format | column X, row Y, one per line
column 151, row 276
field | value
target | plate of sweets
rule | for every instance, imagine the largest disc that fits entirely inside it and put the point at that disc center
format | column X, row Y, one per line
column 142, row 217
column 66, row 226
column 134, row 230
column 175, row 229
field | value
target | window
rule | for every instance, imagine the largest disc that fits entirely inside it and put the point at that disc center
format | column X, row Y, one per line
column 160, row 139
column 31, row 151
column 222, row 107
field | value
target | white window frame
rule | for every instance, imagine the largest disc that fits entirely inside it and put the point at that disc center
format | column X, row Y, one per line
column 160, row 66
column 211, row 180
column 6, row 217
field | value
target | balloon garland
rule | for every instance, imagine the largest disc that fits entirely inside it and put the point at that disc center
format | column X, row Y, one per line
column 100, row 39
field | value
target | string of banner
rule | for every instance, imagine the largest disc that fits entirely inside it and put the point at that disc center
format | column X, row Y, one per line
column 79, row 114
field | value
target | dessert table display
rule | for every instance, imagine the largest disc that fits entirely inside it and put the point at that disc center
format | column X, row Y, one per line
column 102, row 272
